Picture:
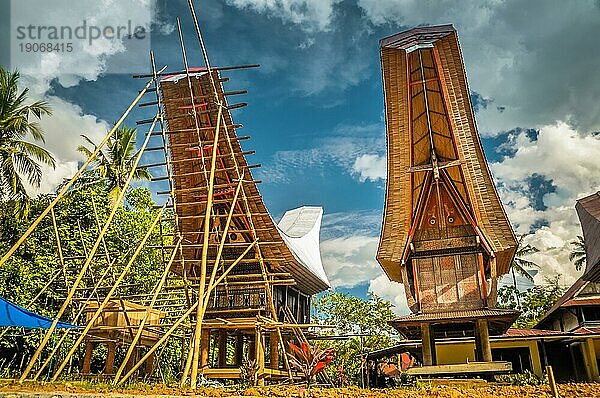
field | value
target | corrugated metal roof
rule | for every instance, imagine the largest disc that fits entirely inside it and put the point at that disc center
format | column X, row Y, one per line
column 516, row 332
column 583, row 301
column 457, row 315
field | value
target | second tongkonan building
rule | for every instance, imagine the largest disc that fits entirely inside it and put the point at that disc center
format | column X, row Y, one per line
column 445, row 234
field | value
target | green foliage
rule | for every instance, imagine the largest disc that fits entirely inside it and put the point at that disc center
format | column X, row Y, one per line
column 519, row 263
column 522, row 379
column 534, row 302
column 36, row 262
column 248, row 372
column 19, row 157
column 578, row 253
column 366, row 319
column 309, row 361
column 114, row 162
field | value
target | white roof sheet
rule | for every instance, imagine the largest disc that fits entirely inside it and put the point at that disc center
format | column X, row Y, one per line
column 300, row 230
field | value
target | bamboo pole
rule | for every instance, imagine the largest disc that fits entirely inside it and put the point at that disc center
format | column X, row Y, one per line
column 552, row 382
column 224, row 237
column 74, row 178
column 152, row 349
column 104, row 245
column 188, row 362
column 79, row 313
column 180, row 320
column 110, row 293
column 209, row 203
column 189, row 82
column 89, row 259
column 61, row 258
column 146, row 315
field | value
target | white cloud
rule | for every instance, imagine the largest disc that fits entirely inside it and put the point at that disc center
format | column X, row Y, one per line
column 569, row 160
column 348, row 147
column 350, row 260
column 534, row 59
column 392, row 292
column 311, row 14
column 370, row 167
column 68, row 121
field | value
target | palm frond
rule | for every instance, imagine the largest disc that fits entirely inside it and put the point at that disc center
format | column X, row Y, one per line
column 35, row 151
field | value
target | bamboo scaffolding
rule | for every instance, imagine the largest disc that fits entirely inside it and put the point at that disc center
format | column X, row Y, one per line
column 178, row 322
column 109, row 294
column 146, row 316
column 75, row 177
column 75, row 319
column 89, row 260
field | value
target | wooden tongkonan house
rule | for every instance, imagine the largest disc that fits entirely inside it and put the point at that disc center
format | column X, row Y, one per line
column 445, row 234
column 272, row 284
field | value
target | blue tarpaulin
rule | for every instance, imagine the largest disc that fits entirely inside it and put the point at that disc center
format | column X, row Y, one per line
column 13, row 315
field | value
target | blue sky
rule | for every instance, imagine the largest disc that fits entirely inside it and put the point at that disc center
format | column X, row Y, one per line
column 315, row 109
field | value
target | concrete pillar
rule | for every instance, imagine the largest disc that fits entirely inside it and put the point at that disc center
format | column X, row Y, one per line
column 87, row 359
column 260, row 357
column 274, row 348
column 482, row 334
column 109, row 368
column 427, row 346
column 204, row 346
column 591, row 362
column 222, row 348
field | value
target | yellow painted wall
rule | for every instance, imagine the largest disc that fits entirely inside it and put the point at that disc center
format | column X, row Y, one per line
column 463, row 352
column 454, row 353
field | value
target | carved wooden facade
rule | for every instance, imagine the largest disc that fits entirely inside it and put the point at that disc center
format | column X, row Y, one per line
column 445, row 234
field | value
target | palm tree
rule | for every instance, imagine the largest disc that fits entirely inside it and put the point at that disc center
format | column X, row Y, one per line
column 520, row 264
column 115, row 164
column 578, row 253
column 18, row 157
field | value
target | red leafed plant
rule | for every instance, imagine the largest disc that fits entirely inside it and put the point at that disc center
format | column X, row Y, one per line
column 310, row 361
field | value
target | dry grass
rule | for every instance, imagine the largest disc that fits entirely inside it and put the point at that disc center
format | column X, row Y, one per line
column 463, row 389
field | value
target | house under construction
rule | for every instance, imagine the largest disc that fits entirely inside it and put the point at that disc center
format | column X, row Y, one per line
column 445, row 234
column 233, row 281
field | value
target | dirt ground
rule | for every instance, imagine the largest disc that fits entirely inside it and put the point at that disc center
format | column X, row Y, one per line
column 434, row 389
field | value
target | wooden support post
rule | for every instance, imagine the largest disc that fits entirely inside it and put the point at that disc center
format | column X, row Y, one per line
column 205, row 346
column 591, row 363
column 260, row 357
column 483, row 334
column 427, row 347
column 252, row 347
column 552, row 382
column 87, row 359
column 274, row 347
column 109, row 367
column 150, row 364
column 239, row 349
column 132, row 359
column 222, row 348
